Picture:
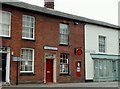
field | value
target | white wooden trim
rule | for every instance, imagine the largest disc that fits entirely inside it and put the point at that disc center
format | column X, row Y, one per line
column 33, row 28
column 8, row 67
column 9, row 26
column 32, row 61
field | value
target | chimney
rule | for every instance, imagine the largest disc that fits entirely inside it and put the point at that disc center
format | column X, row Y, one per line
column 49, row 4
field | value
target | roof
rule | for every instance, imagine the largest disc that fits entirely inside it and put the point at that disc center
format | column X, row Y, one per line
column 60, row 14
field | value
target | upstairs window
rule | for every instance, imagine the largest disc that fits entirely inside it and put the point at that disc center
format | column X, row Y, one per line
column 28, row 27
column 102, row 46
column 5, row 24
column 64, row 34
column 119, row 46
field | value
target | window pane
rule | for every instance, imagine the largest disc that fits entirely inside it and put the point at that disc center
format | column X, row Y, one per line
column 27, row 62
column 64, row 39
column 28, row 26
column 22, row 63
column 64, row 34
column 30, row 63
column 63, row 63
column 101, row 44
column 6, row 23
column 22, row 68
column 119, row 46
column 0, row 29
column 96, row 68
column 29, row 68
column 101, row 68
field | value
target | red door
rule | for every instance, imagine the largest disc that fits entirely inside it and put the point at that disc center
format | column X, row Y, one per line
column 49, row 70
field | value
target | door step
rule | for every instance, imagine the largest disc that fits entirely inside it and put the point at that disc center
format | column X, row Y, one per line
column 5, row 84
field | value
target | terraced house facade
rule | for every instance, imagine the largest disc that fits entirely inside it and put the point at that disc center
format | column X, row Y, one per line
column 42, row 45
column 43, row 42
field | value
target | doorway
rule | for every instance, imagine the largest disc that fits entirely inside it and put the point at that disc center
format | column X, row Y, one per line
column 49, row 71
column 115, row 70
column 4, row 56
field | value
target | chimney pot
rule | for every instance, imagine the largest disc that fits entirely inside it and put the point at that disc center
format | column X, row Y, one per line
column 49, row 4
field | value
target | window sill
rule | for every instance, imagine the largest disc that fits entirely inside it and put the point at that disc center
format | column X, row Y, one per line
column 28, row 39
column 64, row 45
column 5, row 37
column 27, row 74
column 65, row 75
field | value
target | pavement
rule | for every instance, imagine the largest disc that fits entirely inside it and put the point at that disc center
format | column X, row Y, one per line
column 90, row 84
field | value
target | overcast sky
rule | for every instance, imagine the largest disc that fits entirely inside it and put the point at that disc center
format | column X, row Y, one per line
column 103, row 10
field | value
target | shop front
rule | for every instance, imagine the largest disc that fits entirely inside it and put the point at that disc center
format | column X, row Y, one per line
column 105, row 67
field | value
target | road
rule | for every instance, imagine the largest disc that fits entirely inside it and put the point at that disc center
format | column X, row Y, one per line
column 59, row 88
column 102, row 85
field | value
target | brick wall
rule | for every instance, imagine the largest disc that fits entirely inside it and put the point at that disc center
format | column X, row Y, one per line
column 46, row 33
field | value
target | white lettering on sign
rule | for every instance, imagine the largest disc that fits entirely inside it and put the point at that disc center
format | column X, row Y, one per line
column 78, row 69
column 50, row 48
column 16, row 59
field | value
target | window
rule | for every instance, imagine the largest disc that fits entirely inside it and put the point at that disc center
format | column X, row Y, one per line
column 64, row 63
column 27, row 63
column 102, row 44
column 28, row 23
column 119, row 46
column 102, row 68
column 64, row 34
column 5, row 24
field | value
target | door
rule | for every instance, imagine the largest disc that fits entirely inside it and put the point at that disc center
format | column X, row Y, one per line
column 114, row 70
column 49, row 70
column 4, row 67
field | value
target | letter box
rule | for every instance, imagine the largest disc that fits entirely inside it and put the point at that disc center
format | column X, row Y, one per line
column 78, row 69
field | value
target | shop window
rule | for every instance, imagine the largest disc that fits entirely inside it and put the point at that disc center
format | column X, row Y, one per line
column 103, row 68
column 64, row 63
column 119, row 46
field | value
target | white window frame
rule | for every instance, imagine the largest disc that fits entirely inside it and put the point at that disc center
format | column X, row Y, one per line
column 68, row 59
column 32, row 61
column 63, row 43
column 31, row 27
column 99, row 43
column 119, row 46
column 5, row 24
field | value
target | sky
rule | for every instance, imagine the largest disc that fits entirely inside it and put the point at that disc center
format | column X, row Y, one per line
column 102, row 10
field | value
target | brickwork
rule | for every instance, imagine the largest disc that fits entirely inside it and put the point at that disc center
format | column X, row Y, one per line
column 46, row 33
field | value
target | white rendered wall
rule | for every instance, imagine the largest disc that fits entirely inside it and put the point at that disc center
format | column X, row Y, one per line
column 92, row 33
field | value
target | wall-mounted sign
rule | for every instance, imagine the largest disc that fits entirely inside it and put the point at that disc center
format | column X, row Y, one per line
column 16, row 58
column 50, row 48
column 78, row 51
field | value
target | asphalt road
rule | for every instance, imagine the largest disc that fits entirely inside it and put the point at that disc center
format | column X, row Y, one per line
column 57, row 88
column 101, row 85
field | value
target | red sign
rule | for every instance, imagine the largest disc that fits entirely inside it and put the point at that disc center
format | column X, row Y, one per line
column 78, row 51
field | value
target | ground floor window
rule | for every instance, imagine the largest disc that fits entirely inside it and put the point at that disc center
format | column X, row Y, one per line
column 103, row 68
column 64, row 63
column 27, row 63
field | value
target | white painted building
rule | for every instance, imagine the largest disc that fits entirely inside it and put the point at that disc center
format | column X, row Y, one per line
column 101, row 52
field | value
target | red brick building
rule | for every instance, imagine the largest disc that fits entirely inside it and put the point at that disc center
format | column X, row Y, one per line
column 48, row 43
